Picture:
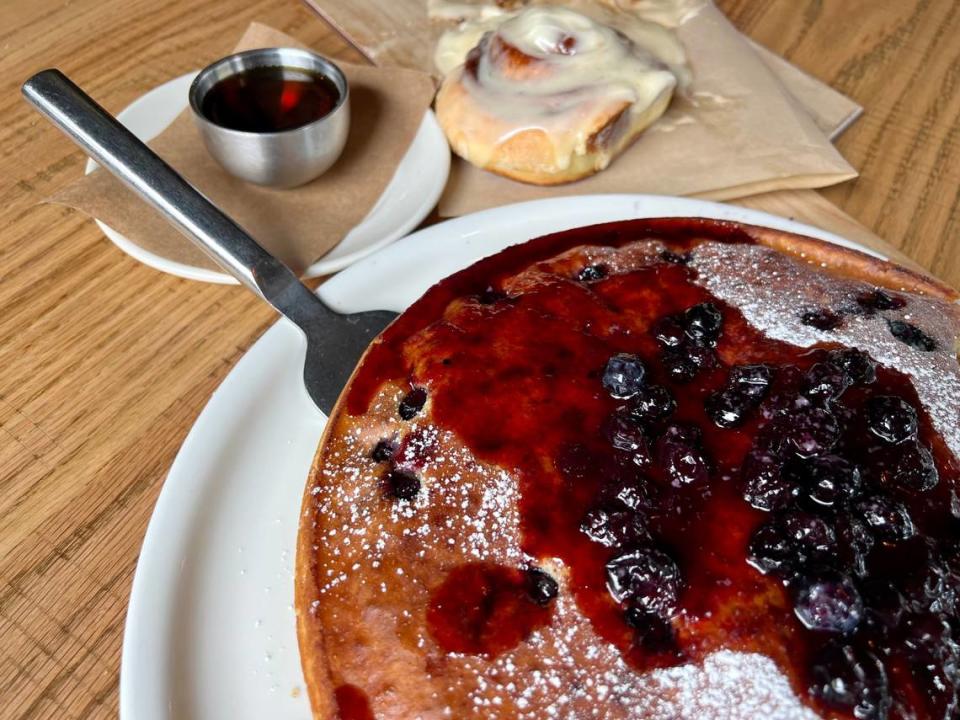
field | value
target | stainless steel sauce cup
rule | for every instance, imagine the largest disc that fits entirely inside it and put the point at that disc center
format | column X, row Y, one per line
column 283, row 159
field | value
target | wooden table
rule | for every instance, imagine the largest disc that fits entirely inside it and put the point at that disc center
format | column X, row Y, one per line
column 106, row 363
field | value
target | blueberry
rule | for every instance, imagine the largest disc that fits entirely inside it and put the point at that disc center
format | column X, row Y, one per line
column 786, row 398
column 888, row 520
column 851, row 679
column 777, row 410
column 745, row 388
column 621, row 430
column 791, row 540
column 884, row 603
column 541, row 588
column 928, row 637
column 669, row 332
column 624, row 375
column 679, row 366
column 752, row 381
column 847, row 417
column 891, row 419
column 592, row 273
column 770, row 550
column 383, row 451
column 683, row 432
column 821, row 319
column 687, row 340
column 829, row 603
column 651, row 632
column 910, row 467
column 634, row 496
column 827, row 480
column 412, row 403
column 637, row 617
column 675, row 258
column 652, row 403
column 911, row 335
column 681, row 462
column 950, row 549
column 646, row 578
column 859, row 367
column 489, row 296
column 612, row 525
column 402, row 485
column 930, row 645
column 642, row 457
column 810, row 432
column 923, row 578
column 702, row 324
column 685, row 363
column 855, row 539
column 726, row 409
column 825, row 381
column 620, row 471
column 811, row 536
column 763, row 485
column 879, row 299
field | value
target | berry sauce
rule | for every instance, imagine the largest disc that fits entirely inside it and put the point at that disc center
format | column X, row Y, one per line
column 485, row 609
column 705, row 486
column 352, row 703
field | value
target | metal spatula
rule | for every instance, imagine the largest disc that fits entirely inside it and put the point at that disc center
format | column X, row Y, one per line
column 334, row 341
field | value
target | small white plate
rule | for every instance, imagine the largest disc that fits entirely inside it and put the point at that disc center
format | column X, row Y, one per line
column 210, row 629
column 408, row 198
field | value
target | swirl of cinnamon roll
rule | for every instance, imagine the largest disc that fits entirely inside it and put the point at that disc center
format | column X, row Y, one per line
column 549, row 95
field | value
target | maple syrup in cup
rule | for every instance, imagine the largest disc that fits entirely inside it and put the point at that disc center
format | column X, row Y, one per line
column 270, row 99
column 277, row 116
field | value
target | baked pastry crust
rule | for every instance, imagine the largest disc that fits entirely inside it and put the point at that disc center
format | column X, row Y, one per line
column 496, row 116
column 528, row 155
column 361, row 622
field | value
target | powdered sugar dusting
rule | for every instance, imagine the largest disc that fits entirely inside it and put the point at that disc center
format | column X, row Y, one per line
column 461, row 505
column 571, row 674
column 771, row 290
column 732, row 685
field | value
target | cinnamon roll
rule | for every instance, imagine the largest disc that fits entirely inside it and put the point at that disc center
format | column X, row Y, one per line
column 548, row 95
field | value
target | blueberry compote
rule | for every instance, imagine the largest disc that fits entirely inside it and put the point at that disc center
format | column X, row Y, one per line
column 706, row 486
column 352, row 703
column 484, row 609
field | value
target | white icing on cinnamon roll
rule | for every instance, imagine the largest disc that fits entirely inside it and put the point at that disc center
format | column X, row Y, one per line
column 547, row 94
column 670, row 13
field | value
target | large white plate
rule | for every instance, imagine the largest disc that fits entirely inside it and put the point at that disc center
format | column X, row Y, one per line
column 210, row 629
column 411, row 193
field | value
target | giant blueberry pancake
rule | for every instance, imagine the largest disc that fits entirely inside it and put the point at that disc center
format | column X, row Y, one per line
column 656, row 469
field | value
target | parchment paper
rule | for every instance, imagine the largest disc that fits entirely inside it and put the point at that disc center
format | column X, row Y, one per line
column 298, row 225
column 739, row 132
column 400, row 34
column 831, row 110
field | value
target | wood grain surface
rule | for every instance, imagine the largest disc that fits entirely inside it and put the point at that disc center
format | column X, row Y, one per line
column 106, row 363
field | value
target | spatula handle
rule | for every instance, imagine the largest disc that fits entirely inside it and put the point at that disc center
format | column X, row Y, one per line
column 137, row 166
